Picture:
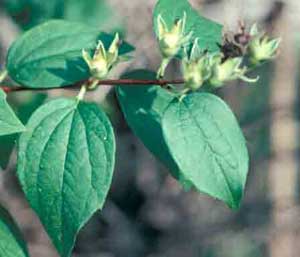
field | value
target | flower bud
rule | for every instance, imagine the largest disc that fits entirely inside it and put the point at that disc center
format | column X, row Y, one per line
column 226, row 71
column 171, row 40
column 195, row 73
column 196, row 69
column 261, row 48
column 103, row 60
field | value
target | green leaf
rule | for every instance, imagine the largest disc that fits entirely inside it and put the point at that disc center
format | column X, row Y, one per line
column 208, row 32
column 9, row 123
column 24, row 105
column 12, row 243
column 50, row 55
column 208, row 146
column 147, row 107
column 143, row 107
column 65, row 166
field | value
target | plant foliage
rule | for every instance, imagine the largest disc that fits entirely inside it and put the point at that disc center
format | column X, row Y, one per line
column 66, row 151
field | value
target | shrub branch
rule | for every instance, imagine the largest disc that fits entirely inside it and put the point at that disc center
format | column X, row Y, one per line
column 110, row 82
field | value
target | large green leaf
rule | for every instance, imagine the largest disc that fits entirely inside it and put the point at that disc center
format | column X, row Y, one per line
column 143, row 107
column 9, row 123
column 208, row 32
column 208, row 146
column 50, row 55
column 65, row 166
column 12, row 243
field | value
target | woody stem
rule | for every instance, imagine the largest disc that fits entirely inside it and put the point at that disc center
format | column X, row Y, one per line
column 110, row 82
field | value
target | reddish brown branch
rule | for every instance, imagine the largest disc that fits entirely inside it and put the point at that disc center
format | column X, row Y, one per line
column 110, row 82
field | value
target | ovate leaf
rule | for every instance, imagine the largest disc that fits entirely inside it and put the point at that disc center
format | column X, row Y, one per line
column 9, row 123
column 50, row 55
column 208, row 32
column 208, row 146
column 65, row 166
column 12, row 243
column 143, row 107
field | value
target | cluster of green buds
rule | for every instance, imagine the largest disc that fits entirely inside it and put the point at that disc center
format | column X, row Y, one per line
column 260, row 47
column 200, row 68
column 171, row 40
column 103, row 60
column 218, row 68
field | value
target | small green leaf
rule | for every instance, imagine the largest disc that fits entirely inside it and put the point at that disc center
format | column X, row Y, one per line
column 65, row 166
column 50, row 55
column 24, row 105
column 12, row 243
column 208, row 146
column 9, row 123
column 143, row 107
column 208, row 32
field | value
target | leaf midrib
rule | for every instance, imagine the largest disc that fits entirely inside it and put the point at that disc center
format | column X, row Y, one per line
column 63, row 179
column 212, row 151
column 43, row 150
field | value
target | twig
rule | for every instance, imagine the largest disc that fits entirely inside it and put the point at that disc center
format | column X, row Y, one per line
column 110, row 82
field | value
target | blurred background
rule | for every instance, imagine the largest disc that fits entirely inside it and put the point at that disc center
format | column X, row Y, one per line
column 147, row 214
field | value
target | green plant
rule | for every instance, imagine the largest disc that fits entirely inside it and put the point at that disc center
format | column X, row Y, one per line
column 66, row 152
